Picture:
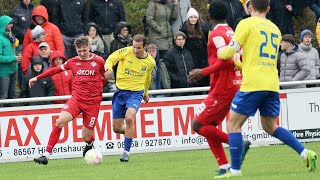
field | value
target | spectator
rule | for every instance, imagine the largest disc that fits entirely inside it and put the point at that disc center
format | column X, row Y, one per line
column 63, row 80
column 281, row 13
column 106, row 14
column 21, row 16
column 52, row 32
column 294, row 64
column 51, row 6
column 32, row 49
column 235, row 12
column 160, row 77
column 196, row 43
column 311, row 53
column 183, row 8
column 8, row 59
column 71, row 22
column 122, row 36
column 179, row 62
column 159, row 15
column 41, row 88
column 98, row 46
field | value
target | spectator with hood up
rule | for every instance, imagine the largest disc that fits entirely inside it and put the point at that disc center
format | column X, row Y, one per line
column 52, row 32
column 42, row 88
column 63, row 80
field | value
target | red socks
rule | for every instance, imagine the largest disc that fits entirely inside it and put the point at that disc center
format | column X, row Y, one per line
column 215, row 137
column 54, row 137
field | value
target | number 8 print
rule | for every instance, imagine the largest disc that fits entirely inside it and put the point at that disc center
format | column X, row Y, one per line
column 265, row 43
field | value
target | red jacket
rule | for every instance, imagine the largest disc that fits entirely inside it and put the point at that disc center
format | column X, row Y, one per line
column 52, row 32
column 28, row 53
column 62, row 81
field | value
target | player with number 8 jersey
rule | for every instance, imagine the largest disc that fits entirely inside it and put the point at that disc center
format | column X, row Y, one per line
column 88, row 71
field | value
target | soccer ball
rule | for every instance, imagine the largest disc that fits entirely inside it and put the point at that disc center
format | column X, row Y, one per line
column 93, row 156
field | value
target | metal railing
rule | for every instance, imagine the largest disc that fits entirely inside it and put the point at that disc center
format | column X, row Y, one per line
column 162, row 91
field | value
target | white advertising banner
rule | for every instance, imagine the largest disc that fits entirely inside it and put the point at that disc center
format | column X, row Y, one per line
column 304, row 113
column 164, row 124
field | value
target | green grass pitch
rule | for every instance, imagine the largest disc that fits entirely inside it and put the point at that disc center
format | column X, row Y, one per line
column 266, row 162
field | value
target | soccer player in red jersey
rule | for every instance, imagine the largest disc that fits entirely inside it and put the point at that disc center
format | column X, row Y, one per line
column 88, row 71
column 225, row 80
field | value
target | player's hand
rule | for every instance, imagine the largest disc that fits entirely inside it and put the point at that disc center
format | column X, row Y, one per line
column 32, row 81
column 146, row 98
column 107, row 74
column 195, row 75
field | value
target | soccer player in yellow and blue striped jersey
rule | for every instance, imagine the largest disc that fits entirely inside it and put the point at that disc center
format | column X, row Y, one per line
column 133, row 80
column 259, row 38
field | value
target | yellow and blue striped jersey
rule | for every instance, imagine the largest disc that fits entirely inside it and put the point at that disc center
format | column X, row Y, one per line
column 133, row 74
column 260, row 40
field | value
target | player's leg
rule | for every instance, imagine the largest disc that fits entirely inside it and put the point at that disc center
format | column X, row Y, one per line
column 118, row 125
column 204, row 124
column 269, row 112
column 132, row 105
column 118, row 111
column 63, row 119
column 90, row 116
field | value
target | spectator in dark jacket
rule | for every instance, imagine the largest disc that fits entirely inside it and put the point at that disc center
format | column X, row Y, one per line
column 51, row 6
column 196, row 43
column 281, row 13
column 41, row 88
column 179, row 62
column 106, row 14
column 72, row 16
column 21, row 16
column 122, row 36
column 63, row 80
column 98, row 46
column 235, row 12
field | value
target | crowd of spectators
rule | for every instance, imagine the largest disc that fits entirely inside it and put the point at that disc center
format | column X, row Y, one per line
column 36, row 38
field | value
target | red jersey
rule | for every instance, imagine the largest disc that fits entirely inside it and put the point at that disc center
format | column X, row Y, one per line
column 87, row 85
column 225, row 78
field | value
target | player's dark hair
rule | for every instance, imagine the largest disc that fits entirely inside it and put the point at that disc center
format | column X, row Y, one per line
column 218, row 11
column 260, row 5
column 81, row 41
column 140, row 38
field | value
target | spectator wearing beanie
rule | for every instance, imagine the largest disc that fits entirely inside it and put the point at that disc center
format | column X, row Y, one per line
column 32, row 49
column 63, row 80
column 311, row 53
column 179, row 63
column 196, row 43
column 294, row 65
column 42, row 88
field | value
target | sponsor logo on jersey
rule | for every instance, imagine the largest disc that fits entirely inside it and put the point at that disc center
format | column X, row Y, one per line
column 143, row 68
column 93, row 63
column 78, row 64
column 127, row 71
column 85, row 72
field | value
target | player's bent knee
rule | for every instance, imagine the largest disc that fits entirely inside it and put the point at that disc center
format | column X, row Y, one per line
column 129, row 121
column 196, row 125
column 60, row 123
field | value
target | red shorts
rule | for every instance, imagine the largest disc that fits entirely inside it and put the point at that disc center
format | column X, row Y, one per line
column 213, row 110
column 90, row 112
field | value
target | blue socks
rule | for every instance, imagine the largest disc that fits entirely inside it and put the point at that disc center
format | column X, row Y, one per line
column 287, row 137
column 127, row 144
column 235, row 146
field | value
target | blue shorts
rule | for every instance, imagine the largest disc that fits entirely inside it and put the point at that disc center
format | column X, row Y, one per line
column 247, row 103
column 124, row 99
